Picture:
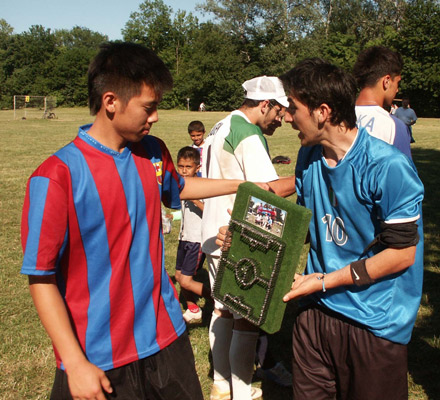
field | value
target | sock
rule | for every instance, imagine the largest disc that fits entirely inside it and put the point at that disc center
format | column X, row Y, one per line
column 220, row 333
column 242, row 358
column 193, row 307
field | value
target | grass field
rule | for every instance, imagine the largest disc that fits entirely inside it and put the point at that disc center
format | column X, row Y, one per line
column 26, row 358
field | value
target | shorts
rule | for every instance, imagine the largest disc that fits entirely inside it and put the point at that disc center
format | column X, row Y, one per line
column 334, row 358
column 167, row 375
column 189, row 257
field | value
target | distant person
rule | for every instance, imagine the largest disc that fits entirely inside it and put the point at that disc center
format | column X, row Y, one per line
column 378, row 72
column 196, row 131
column 93, row 243
column 407, row 115
column 202, row 106
column 189, row 257
column 393, row 108
column 236, row 148
column 362, row 286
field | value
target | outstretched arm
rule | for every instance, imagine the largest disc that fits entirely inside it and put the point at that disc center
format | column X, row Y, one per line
column 387, row 262
column 86, row 380
column 284, row 186
column 202, row 188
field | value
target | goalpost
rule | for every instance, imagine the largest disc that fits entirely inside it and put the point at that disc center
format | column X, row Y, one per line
column 26, row 107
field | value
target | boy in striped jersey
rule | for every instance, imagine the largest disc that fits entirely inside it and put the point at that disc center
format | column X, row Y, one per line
column 93, row 243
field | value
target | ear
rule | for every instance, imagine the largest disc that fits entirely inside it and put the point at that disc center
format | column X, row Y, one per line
column 386, row 80
column 323, row 112
column 109, row 102
column 264, row 106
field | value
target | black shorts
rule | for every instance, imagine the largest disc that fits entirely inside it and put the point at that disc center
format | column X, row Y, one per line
column 336, row 359
column 189, row 257
column 167, row 375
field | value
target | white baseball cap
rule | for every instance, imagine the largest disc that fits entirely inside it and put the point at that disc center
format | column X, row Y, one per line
column 265, row 88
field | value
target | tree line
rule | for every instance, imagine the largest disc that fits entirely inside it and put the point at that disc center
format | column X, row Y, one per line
column 243, row 38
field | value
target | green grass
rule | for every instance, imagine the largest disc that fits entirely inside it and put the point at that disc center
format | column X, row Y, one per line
column 26, row 357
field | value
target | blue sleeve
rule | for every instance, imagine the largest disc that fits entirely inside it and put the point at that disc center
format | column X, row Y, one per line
column 402, row 139
column 398, row 191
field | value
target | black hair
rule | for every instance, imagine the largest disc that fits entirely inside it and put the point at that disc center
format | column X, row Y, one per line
column 189, row 152
column 375, row 62
column 315, row 81
column 196, row 126
column 122, row 68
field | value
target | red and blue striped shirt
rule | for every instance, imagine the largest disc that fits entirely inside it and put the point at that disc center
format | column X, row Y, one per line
column 92, row 216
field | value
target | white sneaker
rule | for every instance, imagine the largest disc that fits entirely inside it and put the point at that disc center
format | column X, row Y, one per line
column 278, row 374
column 256, row 393
column 190, row 316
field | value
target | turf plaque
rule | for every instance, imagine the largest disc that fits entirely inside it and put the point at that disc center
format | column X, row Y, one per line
column 266, row 235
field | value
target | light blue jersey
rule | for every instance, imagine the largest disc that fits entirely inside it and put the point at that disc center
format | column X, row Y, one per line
column 374, row 182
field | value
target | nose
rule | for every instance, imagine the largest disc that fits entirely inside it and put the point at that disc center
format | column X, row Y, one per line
column 288, row 117
column 153, row 117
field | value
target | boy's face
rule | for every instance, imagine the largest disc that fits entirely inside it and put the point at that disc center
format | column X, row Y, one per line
column 133, row 121
column 186, row 167
column 197, row 137
column 301, row 119
column 392, row 89
column 271, row 119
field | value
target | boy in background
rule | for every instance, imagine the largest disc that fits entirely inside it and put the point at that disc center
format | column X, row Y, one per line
column 189, row 251
column 196, row 131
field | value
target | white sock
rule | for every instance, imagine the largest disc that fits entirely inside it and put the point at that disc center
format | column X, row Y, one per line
column 220, row 334
column 242, row 359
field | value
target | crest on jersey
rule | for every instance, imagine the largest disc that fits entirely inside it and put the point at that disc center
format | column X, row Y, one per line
column 158, row 168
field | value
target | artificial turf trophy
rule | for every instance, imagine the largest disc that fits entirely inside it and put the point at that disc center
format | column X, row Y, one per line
column 265, row 237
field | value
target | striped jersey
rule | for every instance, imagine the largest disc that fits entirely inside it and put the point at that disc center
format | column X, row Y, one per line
column 374, row 182
column 92, row 216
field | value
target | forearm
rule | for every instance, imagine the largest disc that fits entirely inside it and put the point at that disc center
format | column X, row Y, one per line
column 202, row 188
column 387, row 262
column 284, row 186
column 55, row 319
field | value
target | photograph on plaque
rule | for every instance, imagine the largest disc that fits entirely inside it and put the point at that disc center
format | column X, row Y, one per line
column 257, row 265
column 266, row 216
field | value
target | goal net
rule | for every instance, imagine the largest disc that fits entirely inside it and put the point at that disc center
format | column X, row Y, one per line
column 31, row 107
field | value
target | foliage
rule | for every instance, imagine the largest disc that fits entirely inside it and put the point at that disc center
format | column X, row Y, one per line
column 420, row 47
column 243, row 39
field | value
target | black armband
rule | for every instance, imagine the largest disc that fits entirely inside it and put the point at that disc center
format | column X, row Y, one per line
column 397, row 236
column 359, row 273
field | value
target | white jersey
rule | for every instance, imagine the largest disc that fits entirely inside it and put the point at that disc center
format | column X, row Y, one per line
column 191, row 223
column 234, row 149
column 380, row 124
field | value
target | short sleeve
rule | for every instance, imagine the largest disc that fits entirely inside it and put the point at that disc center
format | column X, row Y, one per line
column 172, row 182
column 44, row 225
column 255, row 159
column 397, row 191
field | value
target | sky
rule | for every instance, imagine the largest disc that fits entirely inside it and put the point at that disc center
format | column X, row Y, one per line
column 104, row 16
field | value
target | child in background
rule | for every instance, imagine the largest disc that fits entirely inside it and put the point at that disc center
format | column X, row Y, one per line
column 196, row 131
column 189, row 252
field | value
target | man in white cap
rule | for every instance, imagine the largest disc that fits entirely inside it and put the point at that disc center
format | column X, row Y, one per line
column 236, row 149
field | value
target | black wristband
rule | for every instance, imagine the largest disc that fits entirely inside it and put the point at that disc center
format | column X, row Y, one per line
column 359, row 273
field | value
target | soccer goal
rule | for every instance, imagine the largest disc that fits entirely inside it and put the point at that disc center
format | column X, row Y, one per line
column 31, row 107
